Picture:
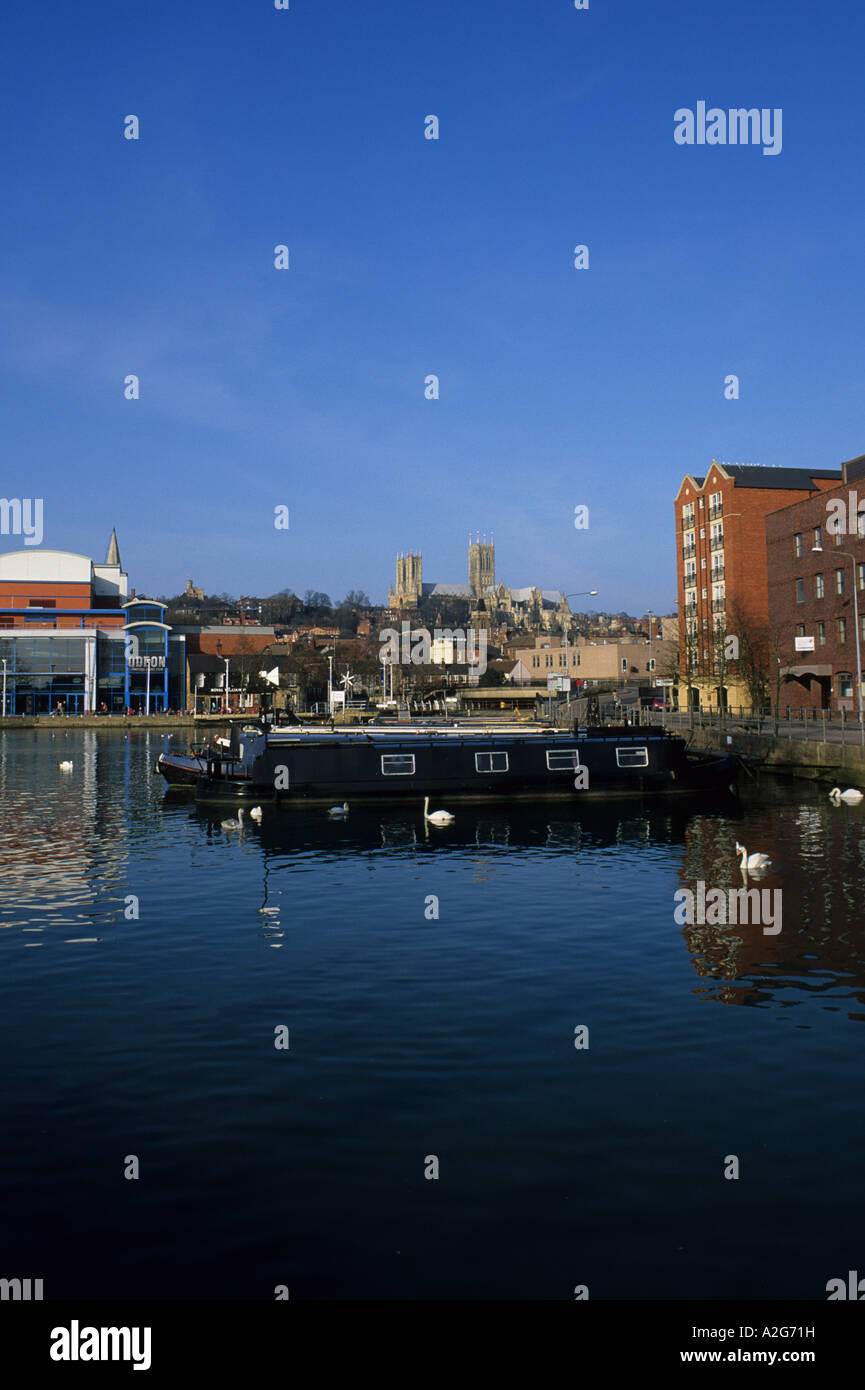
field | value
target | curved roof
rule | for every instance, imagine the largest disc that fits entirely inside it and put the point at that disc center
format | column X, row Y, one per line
column 46, row 566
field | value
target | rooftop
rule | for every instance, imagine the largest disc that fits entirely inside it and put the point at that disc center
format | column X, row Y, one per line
column 784, row 479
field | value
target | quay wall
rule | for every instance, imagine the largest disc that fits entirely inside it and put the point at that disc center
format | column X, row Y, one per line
column 52, row 722
column 832, row 763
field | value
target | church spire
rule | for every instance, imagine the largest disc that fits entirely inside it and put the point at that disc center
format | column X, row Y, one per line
column 113, row 556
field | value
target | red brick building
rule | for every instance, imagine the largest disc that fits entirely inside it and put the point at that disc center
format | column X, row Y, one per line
column 813, row 566
column 721, row 562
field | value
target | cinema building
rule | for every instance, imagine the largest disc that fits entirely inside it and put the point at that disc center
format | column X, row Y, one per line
column 74, row 639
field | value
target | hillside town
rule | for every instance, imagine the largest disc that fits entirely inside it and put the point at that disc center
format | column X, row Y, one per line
column 768, row 617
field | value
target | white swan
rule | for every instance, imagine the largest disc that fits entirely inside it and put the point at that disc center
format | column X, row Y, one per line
column 752, row 861
column 255, row 813
column 339, row 811
column 66, row 767
column 436, row 817
column 851, row 796
column 234, row 824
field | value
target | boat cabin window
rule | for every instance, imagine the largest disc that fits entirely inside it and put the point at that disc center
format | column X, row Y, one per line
column 562, row 759
column 491, row 762
column 632, row 757
column 397, row 764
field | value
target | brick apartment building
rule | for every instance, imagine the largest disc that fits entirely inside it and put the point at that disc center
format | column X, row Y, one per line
column 812, row 602
column 721, row 562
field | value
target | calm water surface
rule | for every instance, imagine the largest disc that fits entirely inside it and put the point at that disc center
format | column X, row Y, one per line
column 411, row 1036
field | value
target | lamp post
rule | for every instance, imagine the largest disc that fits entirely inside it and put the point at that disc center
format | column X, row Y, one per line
column 818, row 550
column 4, row 687
column 581, row 593
column 226, row 660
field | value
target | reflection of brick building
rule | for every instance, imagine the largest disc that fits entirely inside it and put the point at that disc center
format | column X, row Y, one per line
column 811, row 595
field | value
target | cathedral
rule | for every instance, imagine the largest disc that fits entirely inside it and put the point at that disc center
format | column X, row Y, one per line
column 529, row 608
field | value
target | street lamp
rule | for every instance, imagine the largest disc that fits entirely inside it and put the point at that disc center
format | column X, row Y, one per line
column 4, row 687
column 226, row 660
column 581, row 593
column 818, row 550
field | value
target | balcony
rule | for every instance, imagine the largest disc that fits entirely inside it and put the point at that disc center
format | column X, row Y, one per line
column 716, row 543
column 688, row 552
column 716, row 573
column 716, row 510
column 719, row 605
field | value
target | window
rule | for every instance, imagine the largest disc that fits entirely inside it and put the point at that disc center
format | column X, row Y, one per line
column 632, row 757
column 797, row 545
column 562, row 759
column 838, row 537
column 624, row 663
column 41, row 603
column 839, row 581
column 491, row 762
column 861, row 572
column 860, row 525
column 842, row 631
column 705, row 593
column 397, row 764
column 818, row 535
column 650, row 666
column 845, row 685
column 819, row 587
column 703, row 563
column 821, row 634
column 800, row 630
column 800, row 591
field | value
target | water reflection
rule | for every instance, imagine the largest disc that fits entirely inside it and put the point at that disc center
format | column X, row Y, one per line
column 73, row 847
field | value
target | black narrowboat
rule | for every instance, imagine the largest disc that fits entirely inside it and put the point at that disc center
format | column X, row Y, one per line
column 319, row 766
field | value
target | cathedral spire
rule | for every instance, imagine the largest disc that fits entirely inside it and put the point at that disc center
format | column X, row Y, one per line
column 113, row 556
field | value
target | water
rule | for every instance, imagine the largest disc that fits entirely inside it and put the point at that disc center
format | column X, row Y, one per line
column 411, row 1037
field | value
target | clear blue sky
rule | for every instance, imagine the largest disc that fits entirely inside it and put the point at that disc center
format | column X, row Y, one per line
column 408, row 257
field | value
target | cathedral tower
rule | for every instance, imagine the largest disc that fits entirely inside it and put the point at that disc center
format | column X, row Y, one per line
column 482, row 566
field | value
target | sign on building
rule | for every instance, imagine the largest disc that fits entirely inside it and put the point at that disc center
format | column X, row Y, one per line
column 141, row 663
column 804, row 644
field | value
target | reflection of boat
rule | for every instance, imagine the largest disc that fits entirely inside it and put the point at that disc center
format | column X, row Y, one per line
column 319, row 766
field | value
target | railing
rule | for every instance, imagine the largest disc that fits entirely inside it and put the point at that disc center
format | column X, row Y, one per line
column 688, row 552
column 719, row 605
column 716, row 510
column 716, row 543
column 717, row 572
column 792, row 722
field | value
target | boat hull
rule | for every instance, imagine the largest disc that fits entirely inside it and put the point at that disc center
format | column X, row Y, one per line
column 472, row 766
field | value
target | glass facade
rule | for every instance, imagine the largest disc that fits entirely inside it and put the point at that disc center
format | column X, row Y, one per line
column 70, row 671
column 44, row 673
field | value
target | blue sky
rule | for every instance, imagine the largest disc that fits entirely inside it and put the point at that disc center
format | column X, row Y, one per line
column 305, row 388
